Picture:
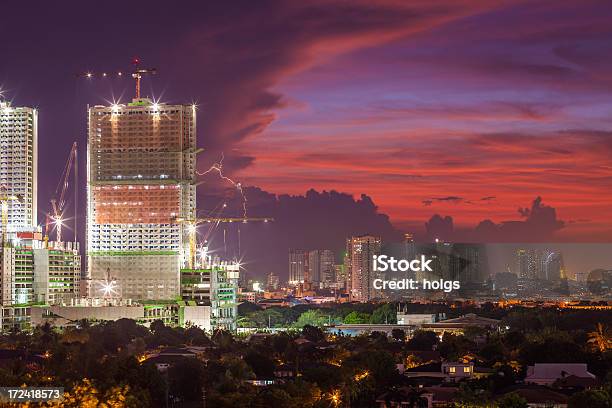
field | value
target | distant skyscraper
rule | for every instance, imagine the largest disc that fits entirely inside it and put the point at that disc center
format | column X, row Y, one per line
column 340, row 276
column 554, row 267
column 409, row 246
column 18, row 164
column 320, row 267
column 272, row 281
column 360, row 251
column 141, row 176
column 298, row 265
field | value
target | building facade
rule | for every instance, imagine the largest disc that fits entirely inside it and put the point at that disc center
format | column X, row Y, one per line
column 298, row 266
column 321, row 264
column 360, row 266
column 18, row 165
column 140, row 179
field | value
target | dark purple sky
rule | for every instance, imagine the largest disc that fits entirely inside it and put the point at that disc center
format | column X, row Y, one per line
column 467, row 109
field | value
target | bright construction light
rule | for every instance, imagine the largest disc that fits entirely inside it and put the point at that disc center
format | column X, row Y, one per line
column 115, row 108
column 155, row 107
column 107, row 288
column 192, row 229
column 59, row 222
column 89, row 75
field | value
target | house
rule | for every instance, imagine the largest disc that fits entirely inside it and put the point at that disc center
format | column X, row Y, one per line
column 405, row 397
column 538, row 396
column 454, row 371
column 168, row 357
column 549, row 373
column 430, row 397
column 446, row 371
column 284, row 371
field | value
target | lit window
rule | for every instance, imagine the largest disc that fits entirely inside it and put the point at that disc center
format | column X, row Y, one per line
column 451, row 370
column 466, row 369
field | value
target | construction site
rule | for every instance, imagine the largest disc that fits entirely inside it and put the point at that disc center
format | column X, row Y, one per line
column 142, row 257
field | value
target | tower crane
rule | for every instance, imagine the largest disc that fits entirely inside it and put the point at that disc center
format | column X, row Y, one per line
column 137, row 73
column 192, row 225
column 5, row 197
column 58, row 201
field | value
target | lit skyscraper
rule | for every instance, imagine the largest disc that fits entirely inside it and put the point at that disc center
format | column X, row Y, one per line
column 141, row 176
column 18, row 164
column 298, row 263
column 320, row 267
column 360, row 265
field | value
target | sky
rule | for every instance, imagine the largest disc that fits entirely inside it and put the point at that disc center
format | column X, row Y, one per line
column 477, row 120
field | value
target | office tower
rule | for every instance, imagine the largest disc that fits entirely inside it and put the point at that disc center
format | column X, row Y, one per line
column 272, row 281
column 327, row 267
column 409, row 247
column 140, row 178
column 320, row 267
column 522, row 262
column 298, row 265
column 554, row 267
column 18, row 165
column 360, row 251
column 340, row 276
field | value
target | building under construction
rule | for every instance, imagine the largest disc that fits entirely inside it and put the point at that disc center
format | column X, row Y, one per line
column 140, row 178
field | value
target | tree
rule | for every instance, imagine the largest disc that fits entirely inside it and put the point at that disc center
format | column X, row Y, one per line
column 512, row 400
column 600, row 338
column 261, row 365
column 398, row 334
column 185, row 379
column 311, row 318
column 313, row 333
column 384, row 314
column 356, row 318
column 591, row 399
column 423, row 340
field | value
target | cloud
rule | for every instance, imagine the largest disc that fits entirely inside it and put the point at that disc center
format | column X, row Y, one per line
column 452, row 199
column 314, row 220
column 238, row 59
column 540, row 225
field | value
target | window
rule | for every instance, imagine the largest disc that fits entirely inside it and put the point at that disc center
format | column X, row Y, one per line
column 451, row 370
column 466, row 369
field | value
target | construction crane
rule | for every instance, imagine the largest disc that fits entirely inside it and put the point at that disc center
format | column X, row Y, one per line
column 58, row 201
column 137, row 73
column 5, row 198
column 192, row 225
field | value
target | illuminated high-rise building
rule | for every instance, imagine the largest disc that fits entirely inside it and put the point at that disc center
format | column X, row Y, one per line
column 298, row 265
column 360, row 266
column 18, row 165
column 141, row 177
column 321, row 267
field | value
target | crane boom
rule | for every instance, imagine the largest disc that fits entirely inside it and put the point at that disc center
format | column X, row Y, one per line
column 59, row 199
column 193, row 223
column 137, row 73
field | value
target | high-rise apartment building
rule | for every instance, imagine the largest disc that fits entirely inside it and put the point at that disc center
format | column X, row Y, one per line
column 18, row 165
column 360, row 266
column 298, row 265
column 272, row 281
column 321, row 267
column 140, row 178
